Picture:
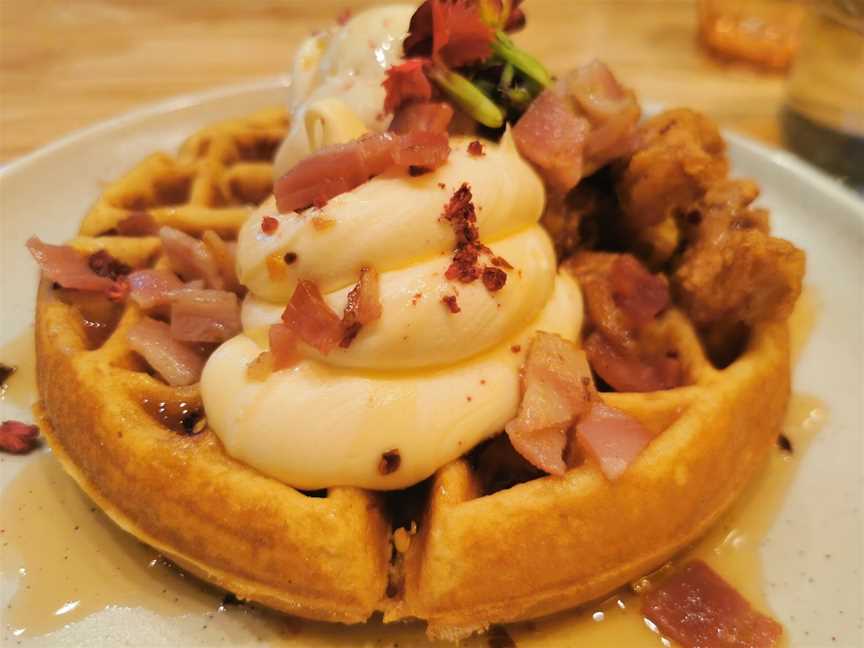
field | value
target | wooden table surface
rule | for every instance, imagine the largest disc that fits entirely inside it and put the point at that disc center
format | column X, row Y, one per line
column 65, row 65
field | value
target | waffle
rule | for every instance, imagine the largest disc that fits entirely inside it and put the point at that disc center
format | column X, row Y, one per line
column 451, row 551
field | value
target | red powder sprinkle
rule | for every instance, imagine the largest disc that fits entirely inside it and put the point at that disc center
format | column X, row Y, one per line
column 417, row 297
column 289, row 258
column 344, row 16
column 460, row 213
column 475, row 148
column 516, row 348
column 451, row 303
column 494, row 278
column 269, row 225
column 441, row 185
column 501, row 262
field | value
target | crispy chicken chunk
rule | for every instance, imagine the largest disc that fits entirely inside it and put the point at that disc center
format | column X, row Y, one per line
column 734, row 271
column 679, row 155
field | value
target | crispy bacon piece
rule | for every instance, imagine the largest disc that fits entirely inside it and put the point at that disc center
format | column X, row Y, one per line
column 177, row 363
column 621, row 297
column 556, row 390
column 698, row 609
column 204, row 315
column 494, row 278
column 406, row 82
column 628, row 372
column 451, row 303
column 138, row 223
column 422, row 116
column 190, row 258
column 614, row 439
column 283, row 346
column 66, row 266
column 311, row 319
column 342, row 167
column 18, row 438
column 363, row 305
column 583, row 123
column 552, row 136
column 152, row 288
column 451, row 32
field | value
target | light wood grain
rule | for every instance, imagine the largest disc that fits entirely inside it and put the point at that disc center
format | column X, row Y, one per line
column 65, row 65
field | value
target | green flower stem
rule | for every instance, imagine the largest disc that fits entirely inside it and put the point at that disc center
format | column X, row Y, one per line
column 520, row 59
column 468, row 97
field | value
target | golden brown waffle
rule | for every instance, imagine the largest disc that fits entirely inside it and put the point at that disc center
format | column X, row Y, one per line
column 476, row 558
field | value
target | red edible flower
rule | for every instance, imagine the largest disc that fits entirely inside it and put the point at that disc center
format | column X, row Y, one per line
column 451, row 32
column 406, row 82
column 17, row 437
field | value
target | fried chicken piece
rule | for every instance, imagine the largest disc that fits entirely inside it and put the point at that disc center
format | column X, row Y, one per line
column 679, row 155
column 734, row 270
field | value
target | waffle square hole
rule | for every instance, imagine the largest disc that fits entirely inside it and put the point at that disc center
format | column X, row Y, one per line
column 258, row 147
column 498, row 466
column 165, row 191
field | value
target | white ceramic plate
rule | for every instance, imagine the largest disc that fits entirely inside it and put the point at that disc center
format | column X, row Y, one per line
column 812, row 554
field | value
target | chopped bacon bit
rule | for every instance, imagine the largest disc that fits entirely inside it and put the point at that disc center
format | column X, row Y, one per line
column 312, row 319
column 177, row 363
column 337, row 169
column 283, row 346
column 475, row 148
column 501, row 262
column 441, row 185
column 362, row 307
column 425, row 116
column 225, row 256
column 451, row 32
column 66, row 266
column 5, row 372
column 289, row 258
column 204, row 315
column 18, row 438
column 698, row 609
column 151, row 288
column 614, row 439
column 628, row 372
column 190, row 258
column 494, row 278
column 640, row 294
column 138, row 223
column 269, row 225
column 552, row 137
column 587, row 120
column 516, row 348
column 416, row 298
column 406, row 82
column 556, row 390
column 261, row 367
column 390, row 462
column 450, row 302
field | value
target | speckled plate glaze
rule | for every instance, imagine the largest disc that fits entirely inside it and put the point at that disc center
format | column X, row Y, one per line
column 812, row 555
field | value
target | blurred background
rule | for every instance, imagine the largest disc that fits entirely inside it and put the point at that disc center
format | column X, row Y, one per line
column 65, row 65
